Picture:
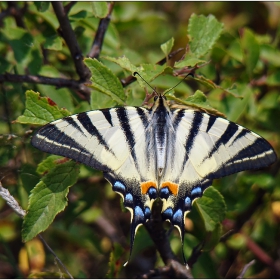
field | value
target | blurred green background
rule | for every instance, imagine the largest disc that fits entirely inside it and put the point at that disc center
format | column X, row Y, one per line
column 246, row 59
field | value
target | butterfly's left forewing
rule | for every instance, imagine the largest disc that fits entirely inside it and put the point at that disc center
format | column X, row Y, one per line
column 113, row 141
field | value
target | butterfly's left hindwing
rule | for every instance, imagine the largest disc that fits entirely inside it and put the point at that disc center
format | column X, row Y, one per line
column 113, row 141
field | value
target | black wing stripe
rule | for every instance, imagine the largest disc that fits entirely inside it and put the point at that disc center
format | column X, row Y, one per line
column 242, row 133
column 88, row 125
column 107, row 115
column 227, row 135
column 71, row 121
column 143, row 117
column 197, row 120
column 124, row 121
column 52, row 137
column 179, row 116
column 211, row 121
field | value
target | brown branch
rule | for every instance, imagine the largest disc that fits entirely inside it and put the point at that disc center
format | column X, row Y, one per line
column 71, row 41
column 196, row 252
column 262, row 255
column 78, row 86
column 99, row 36
column 158, row 234
column 69, row 6
column 173, row 270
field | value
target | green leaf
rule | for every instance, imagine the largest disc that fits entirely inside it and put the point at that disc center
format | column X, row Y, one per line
column 251, row 50
column 40, row 110
column 116, row 261
column 100, row 9
column 270, row 55
column 274, row 79
column 235, row 106
column 167, row 46
column 21, row 42
column 53, row 43
column 105, row 81
column 47, row 164
column 48, row 198
column 211, row 207
column 211, row 85
column 189, row 61
column 42, row 6
column 197, row 100
column 203, row 32
column 148, row 71
column 98, row 100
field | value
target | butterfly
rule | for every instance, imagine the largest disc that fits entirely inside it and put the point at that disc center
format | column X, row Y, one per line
column 145, row 154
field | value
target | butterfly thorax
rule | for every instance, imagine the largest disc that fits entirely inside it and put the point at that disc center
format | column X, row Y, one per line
column 161, row 122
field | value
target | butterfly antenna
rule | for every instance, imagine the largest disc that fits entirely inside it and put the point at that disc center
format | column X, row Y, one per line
column 136, row 73
column 190, row 74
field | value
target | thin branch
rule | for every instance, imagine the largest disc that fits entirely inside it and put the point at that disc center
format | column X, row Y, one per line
column 5, row 194
column 259, row 252
column 78, row 86
column 196, row 252
column 224, row 237
column 173, row 270
column 99, row 36
column 71, row 41
column 69, row 6
column 245, row 269
column 158, row 234
column 55, row 256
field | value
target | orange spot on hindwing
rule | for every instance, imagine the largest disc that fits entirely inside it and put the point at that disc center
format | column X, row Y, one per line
column 146, row 185
column 173, row 188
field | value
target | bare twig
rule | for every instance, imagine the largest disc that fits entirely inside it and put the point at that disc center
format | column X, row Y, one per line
column 245, row 269
column 78, row 86
column 55, row 256
column 71, row 41
column 174, row 270
column 5, row 194
column 99, row 36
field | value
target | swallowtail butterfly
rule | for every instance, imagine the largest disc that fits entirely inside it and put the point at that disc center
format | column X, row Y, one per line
column 171, row 154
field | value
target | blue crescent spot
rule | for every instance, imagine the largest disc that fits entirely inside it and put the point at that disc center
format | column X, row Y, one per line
column 147, row 212
column 188, row 202
column 178, row 216
column 152, row 193
column 164, row 192
column 128, row 198
column 168, row 213
column 196, row 191
column 119, row 186
column 139, row 215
